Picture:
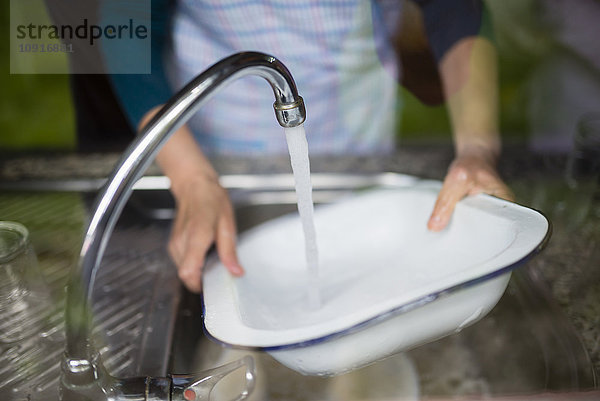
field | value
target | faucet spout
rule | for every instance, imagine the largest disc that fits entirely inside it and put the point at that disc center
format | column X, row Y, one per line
column 81, row 359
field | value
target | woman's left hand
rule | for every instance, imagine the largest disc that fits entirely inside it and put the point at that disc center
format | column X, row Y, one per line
column 467, row 175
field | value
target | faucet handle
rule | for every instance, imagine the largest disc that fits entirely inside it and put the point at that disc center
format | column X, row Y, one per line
column 199, row 386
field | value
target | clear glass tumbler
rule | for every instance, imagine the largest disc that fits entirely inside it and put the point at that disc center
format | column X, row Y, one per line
column 23, row 294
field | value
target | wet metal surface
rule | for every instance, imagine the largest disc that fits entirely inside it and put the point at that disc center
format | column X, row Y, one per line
column 135, row 297
column 548, row 339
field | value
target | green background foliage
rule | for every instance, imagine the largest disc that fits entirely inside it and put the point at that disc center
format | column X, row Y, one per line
column 36, row 111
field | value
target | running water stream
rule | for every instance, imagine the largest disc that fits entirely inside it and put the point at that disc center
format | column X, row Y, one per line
column 298, row 148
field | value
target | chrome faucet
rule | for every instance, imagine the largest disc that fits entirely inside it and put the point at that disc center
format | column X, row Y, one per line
column 83, row 376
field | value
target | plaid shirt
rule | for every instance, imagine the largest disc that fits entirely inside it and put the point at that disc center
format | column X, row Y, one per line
column 336, row 51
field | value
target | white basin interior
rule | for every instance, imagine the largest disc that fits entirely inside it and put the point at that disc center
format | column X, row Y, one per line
column 376, row 257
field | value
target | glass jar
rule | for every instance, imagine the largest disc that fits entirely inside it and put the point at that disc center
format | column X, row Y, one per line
column 23, row 295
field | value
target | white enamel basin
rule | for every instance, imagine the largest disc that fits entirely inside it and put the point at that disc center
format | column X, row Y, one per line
column 387, row 283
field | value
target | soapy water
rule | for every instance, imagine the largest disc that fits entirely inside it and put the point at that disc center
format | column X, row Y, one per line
column 380, row 257
column 298, row 148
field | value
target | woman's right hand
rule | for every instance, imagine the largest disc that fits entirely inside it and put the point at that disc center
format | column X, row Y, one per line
column 204, row 217
column 204, row 212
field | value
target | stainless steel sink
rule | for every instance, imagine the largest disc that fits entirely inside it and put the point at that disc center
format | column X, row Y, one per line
column 525, row 345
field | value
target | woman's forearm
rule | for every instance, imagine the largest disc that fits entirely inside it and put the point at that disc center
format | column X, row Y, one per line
column 204, row 212
column 470, row 79
column 181, row 159
column 469, row 76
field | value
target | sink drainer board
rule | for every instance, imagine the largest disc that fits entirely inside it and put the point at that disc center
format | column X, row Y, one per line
column 135, row 297
column 386, row 282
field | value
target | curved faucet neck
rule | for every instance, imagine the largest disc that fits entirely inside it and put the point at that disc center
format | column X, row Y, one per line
column 289, row 109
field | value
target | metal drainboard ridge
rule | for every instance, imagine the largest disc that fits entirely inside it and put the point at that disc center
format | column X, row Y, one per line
column 134, row 302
